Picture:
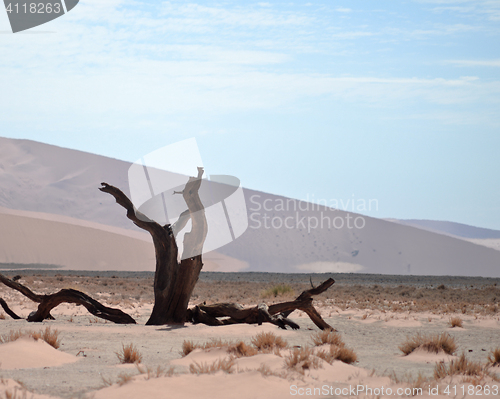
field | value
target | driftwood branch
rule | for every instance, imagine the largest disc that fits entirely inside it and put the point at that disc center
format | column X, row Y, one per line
column 8, row 310
column 49, row 302
column 276, row 314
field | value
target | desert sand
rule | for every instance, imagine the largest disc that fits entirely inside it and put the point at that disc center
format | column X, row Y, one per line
column 86, row 364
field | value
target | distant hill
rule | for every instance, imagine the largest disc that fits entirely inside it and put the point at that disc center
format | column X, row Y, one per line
column 284, row 235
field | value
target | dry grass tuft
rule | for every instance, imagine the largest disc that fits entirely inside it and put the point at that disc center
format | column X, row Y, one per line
column 335, row 352
column 124, row 378
column 237, row 348
column 431, row 343
column 277, row 290
column 267, row 342
column 494, row 357
column 240, row 349
column 302, row 359
column 129, row 354
column 266, row 371
column 49, row 336
column 462, row 366
column 188, row 347
column 159, row 372
column 456, row 322
column 225, row 365
column 17, row 393
column 263, row 342
column 214, row 343
column 327, row 337
column 417, row 385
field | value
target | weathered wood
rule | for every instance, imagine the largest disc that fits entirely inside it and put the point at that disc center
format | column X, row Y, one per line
column 21, row 288
column 73, row 296
column 49, row 302
column 8, row 310
column 174, row 281
column 276, row 314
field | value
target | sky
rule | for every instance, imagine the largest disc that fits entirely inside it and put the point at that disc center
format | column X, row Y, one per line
column 336, row 101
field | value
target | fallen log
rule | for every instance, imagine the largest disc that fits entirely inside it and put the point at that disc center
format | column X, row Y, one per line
column 276, row 314
column 49, row 302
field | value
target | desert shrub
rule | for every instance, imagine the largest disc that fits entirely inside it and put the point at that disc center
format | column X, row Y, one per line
column 266, row 342
column 277, row 290
column 494, row 357
column 460, row 366
column 129, row 354
column 301, row 359
column 225, row 365
column 455, row 322
column 431, row 343
column 2, row 316
column 327, row 337
column 335, row 352
column 48, row 335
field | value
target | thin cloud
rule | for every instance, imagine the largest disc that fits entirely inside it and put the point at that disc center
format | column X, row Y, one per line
column 482, row 8
column 474, row 63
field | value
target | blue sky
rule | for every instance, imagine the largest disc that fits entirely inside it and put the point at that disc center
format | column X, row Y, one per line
column 397, row 101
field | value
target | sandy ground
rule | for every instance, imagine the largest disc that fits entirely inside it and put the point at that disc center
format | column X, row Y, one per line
column 86, row 363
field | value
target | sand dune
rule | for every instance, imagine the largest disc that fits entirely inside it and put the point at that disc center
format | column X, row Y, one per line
column 284, row 235
column 379, row 246
column 32, row 237
column 26, row 353
column 451, row 228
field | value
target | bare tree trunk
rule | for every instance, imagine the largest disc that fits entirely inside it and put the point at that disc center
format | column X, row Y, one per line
column 174, row 281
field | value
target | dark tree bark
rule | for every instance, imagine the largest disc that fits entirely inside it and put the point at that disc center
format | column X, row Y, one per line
column 49, row 302
column 174, row 281
column 8, row 310
column 276, row 314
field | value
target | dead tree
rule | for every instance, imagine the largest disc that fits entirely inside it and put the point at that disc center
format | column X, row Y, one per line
column 276, row 314
column 49, row 302
column 174, row 281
